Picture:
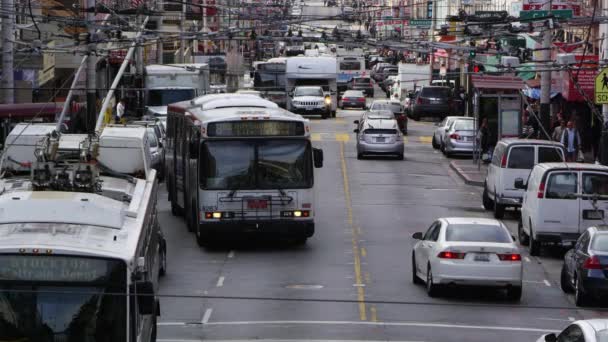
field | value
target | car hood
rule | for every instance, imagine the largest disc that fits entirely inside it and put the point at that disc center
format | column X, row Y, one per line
column 157, row 110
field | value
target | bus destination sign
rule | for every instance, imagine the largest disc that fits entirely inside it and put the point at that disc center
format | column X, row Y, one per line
column 266, row 128
column 53, row 268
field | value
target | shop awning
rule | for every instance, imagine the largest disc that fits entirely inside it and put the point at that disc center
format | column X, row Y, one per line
column 527, row 71
column 497, row 82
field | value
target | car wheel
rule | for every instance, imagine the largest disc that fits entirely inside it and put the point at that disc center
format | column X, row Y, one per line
column 431, row 289
column 415, row 279
column 400, row 156
column 534, row 244
column 524, row 239
column 359, row 156
column 488, row 204
column 564, row 281
column 499, row 210
column 580, row 297
column 434, row 143
column 514, row 293
column 325, row 115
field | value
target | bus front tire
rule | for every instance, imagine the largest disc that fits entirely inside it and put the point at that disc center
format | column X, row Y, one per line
column 202, row 238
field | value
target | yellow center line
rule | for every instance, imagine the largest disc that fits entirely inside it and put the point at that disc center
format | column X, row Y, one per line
column 355, row 238
column 374, row 314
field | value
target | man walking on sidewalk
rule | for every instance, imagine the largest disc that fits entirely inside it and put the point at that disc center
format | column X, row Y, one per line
column 572, row 141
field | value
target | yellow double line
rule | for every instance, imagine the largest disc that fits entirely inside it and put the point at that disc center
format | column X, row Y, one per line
column 357, row 251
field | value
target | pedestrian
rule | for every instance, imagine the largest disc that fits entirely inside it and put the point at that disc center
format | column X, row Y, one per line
column 120, row 110
column 572, row 141
column 558, row 131
column 484, row 140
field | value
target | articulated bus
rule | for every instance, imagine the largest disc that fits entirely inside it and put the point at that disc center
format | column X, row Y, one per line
column 81, row 248
column 237, row 163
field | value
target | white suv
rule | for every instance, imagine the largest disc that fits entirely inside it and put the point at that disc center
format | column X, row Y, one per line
column 310, row 100
column 515, row 158
column 561, row 200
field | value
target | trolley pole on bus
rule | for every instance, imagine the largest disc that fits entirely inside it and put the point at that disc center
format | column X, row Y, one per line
column 91, row 72
column 8, row 26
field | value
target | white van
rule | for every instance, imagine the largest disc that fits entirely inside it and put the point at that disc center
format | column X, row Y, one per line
column 561, row 200
column 515, row 158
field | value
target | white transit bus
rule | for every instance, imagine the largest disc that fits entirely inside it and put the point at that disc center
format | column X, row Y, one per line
column 237, row 163
column 81, row 249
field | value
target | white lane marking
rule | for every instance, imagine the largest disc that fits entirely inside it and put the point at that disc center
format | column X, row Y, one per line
column 171, row 323
column 398, row 324
column 206, row 316
column 231, row 254
column 220, row 281
column 571, row 319
column 527, row 259
column 533, row 281
column 547, row 282
column 553, row 319
column 266, row 340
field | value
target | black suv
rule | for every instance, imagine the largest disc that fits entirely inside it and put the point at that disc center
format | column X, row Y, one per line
column 363, row 83
column 432, row 101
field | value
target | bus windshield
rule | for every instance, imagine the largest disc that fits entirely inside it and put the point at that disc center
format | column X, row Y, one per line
column 249, row 164
column 58, row 298
column 164, row 97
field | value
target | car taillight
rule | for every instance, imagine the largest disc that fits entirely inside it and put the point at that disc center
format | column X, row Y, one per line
column 541, row 190
column 592, row 263
column 361, row 99
column 454, row 136
column 509, row 257
column 503, row 161
column 450, row 255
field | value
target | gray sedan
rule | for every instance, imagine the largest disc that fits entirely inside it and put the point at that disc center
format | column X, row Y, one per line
column 442, row 127
column 460, row 137
column 379, row 137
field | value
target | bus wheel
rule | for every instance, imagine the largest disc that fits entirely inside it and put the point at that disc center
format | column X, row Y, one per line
column 201, row 237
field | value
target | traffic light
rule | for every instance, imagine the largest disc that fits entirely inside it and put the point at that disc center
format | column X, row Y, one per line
column 472, row 53
column 476, row 68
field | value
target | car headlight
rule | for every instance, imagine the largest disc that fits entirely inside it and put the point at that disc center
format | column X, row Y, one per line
column 328, row 100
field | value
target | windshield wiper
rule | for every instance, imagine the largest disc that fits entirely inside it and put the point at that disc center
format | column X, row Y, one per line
column 232, row 192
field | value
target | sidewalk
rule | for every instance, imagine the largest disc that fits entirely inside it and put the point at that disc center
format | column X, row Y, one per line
column 469, row 171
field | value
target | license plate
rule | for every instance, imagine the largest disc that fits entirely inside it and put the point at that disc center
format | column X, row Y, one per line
column 380, row 140
column 485, row 257
column 310, row 108
column 257, row 204
column 467, row 139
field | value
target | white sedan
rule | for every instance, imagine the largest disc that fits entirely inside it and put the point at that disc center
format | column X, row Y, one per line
column 591, row 330
column 467, row 251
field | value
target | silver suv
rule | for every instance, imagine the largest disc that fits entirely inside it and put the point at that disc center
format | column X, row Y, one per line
column 310, row 100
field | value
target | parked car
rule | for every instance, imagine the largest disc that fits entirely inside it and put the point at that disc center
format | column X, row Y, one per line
column 442, row 127
column 353, row 99
column 387, row 83
column 379, row 137
column 583, row 269
column 363, row 83
column 377, row 70
column 372, row 60
column 157, row 154
column 590, row 330
column 396, row 108
column 515, row 158
column 467, row 251
column 432, row 101
column 560, row 201
column 384, row 72
column 459, row 138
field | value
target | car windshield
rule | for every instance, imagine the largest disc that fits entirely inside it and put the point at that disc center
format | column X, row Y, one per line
column 38, row 304
column 381, row 114
column 464, row 125
column 164, row 97
column 350, row 65
column 477, row 233
column 252, row 164
column 309, row 92
column 600, row 243
column 393, row 107
column 361, row 80
column 438, row 92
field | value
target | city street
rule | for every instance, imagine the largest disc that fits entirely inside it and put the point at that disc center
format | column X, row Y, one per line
column 352, row 279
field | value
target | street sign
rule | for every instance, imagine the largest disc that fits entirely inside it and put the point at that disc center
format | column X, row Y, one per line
column 601, row 87
column 489, row 16
column 558, row 14
column 421, row 22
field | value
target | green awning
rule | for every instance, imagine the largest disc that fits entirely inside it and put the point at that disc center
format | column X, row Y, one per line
column 527, row 71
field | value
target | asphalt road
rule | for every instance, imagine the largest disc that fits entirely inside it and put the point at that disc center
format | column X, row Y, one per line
column 352, row 280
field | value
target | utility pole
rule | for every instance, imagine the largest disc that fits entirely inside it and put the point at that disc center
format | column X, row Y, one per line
column 182, row 41
column 91, row 72
column 8, row 27
column 603, row 155
column 545, row 76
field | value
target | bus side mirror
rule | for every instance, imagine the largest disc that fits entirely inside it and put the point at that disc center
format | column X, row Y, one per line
column 318, row 157
column 519, row 184
column 146, row 302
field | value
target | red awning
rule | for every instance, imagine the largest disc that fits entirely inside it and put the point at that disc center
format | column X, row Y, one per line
column 497, row 82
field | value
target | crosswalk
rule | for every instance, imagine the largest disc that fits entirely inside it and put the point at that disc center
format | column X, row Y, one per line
column 345, row 137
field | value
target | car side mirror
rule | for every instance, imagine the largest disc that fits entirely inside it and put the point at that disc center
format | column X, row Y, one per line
column 550, row 337
column 356, row 130
column 519, row 184
column 317, row 157
column 290, row 94
column 144, row 292
column 356, row 122
column 417, row 236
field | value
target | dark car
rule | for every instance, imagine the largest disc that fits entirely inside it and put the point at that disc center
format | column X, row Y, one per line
column 353, row 99
column 363, row 83
column 432, row 101
column 395, row 107
column 385, row 72
column 585, row 269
